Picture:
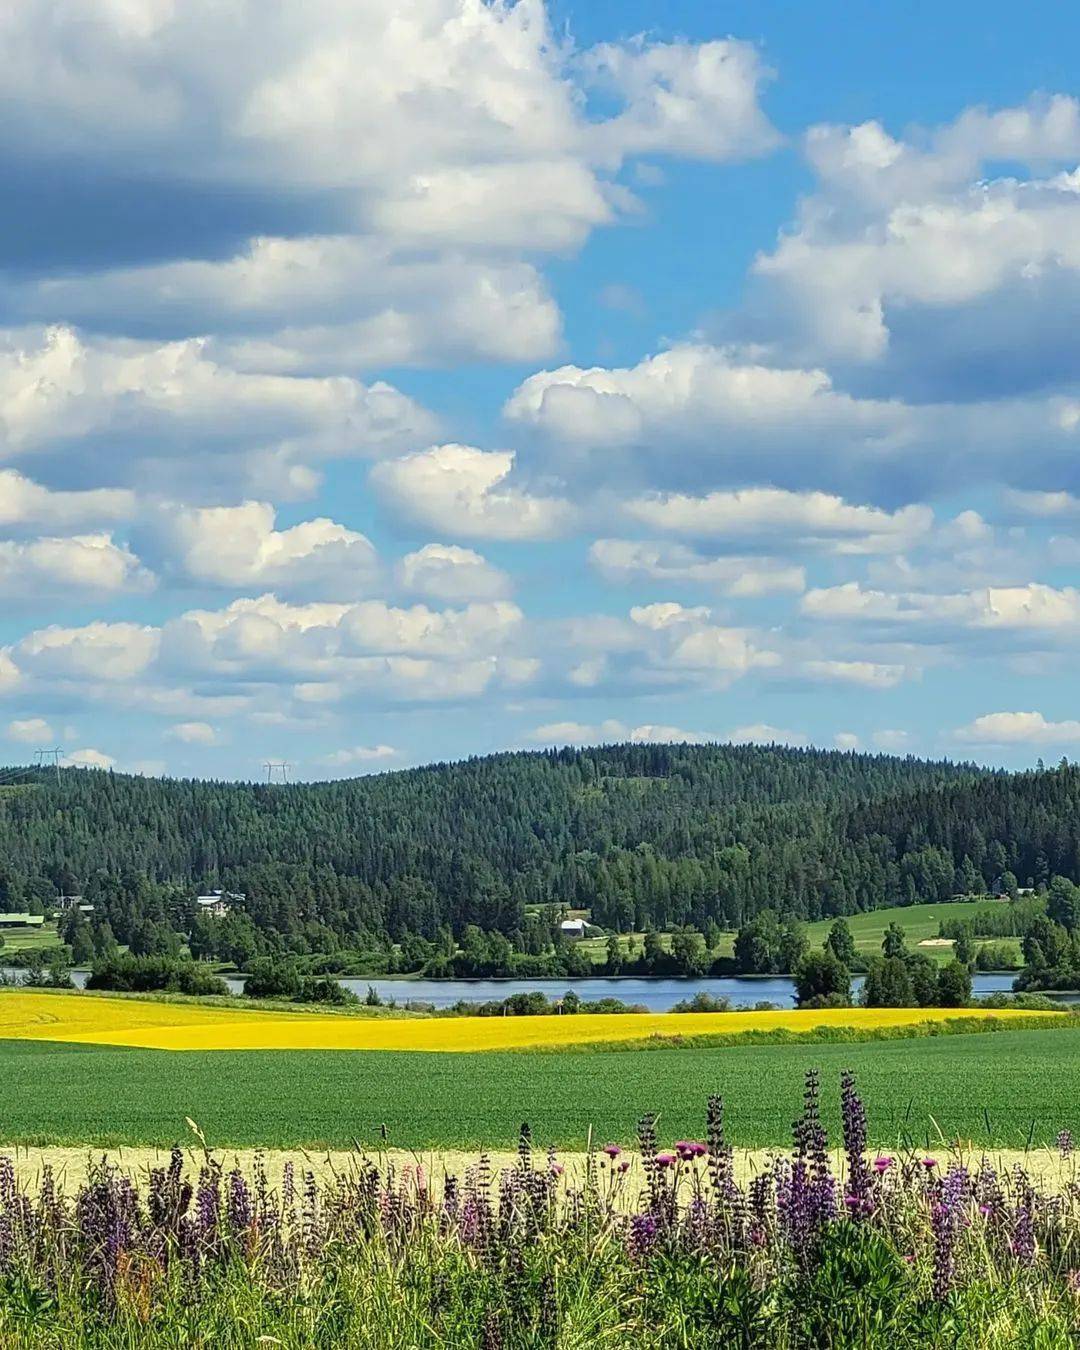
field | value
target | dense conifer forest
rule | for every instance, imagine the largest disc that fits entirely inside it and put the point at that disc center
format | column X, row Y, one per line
column 642, row 836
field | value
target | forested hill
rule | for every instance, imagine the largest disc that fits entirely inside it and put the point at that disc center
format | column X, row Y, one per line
column 640, row 834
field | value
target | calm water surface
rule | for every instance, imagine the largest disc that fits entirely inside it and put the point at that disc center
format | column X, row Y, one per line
column 657, row 995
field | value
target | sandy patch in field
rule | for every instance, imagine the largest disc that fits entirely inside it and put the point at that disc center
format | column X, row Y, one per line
column 936, row 942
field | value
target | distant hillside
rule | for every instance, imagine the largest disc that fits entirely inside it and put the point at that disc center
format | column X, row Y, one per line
column 639, row 834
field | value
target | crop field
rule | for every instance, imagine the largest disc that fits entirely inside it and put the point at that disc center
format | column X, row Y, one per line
column 154, row 1025
column 1004, row 1089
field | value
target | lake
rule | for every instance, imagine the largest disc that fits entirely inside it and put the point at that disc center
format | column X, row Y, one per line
column 657, row 995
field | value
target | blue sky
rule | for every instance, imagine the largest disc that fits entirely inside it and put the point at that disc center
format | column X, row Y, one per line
column 401, row 382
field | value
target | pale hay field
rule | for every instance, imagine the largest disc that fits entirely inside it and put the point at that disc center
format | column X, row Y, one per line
column 100, row 1020
column 431, row 1167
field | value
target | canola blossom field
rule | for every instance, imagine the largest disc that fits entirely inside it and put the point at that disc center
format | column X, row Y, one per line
column 150, row 1025
column 85, row 1069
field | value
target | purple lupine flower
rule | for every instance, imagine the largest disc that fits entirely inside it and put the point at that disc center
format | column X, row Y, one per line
column 239, row 1204
column 642, row 1235
column 1022, row 1242
column 1065, row 1143
column 853, row 1116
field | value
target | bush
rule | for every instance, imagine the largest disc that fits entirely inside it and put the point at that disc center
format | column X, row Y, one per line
column 705, row 1003
column 1026, row 1002
column 954, row 985
column 128, row 974
column 822, row 981
column 270, row 978
column 323, row 989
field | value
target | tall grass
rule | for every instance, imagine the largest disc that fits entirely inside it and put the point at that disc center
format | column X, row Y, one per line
column 881, row 1251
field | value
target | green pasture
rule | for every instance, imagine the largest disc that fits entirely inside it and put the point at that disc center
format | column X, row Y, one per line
column 1002, row 1089
column 22, row 939
column 918, row 922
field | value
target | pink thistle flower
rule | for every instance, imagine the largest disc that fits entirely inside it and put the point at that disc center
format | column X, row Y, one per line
column 612, row 1150
column 882, row 1164
column 665, row 1159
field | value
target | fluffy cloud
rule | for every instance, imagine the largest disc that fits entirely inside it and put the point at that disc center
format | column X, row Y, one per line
column 892, row 740
column 659, row 646
column 24, row 503
column 1018, row 728
column 329, row 304
column 154, row 402
column 447, row 572
column 699, row 101
column 193, row 733
column 867, row 674
column 583, row 733
column 269, row 660
column 761, row 733
column 238, row 546
column 90, row 563
column 30, row 731
column 98, row 651
column 915, row 257
column 360, row 754
column 791, row 519
column 464, row 491
column 452, row 119
column 1034, row 608
column 88, row 758
column 694, row 390
column 626, row 560
column 370, row 649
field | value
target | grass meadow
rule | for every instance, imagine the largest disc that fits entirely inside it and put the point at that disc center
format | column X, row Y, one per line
column 919, row 922
column 1007, row 1090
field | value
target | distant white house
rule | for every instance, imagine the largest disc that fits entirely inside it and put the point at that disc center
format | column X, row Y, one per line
column 573, row 928
column 216, row 903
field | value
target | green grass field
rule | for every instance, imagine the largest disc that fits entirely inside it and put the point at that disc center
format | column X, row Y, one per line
column 21, row 939
column 1021, row 1082
column 917, row 921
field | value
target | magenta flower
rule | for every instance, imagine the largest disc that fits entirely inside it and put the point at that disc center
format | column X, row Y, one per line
column 929, row 1163
column 882, row 1164
column 665, row 1159
column 557, row 1169
column 612, row 1150
column 624, row 1166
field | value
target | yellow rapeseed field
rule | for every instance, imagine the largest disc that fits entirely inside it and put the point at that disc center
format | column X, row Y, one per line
column 96, row 1020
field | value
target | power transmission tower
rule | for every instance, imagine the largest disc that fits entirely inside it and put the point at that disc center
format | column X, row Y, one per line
column 275, row 767
column 52, row 756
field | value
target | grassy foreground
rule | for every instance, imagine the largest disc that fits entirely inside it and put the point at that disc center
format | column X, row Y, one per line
column 861, row 1251
column 1003, row 1089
